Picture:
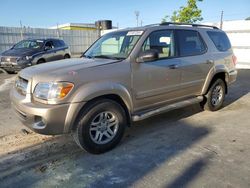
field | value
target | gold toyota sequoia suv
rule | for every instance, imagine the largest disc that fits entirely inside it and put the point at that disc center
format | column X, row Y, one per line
column 126, row 76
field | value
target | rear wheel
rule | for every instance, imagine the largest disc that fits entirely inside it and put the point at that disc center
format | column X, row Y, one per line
column 67, row 56
column 100, row 126
column 215, row 96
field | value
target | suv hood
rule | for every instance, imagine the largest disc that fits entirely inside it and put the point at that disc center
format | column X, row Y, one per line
column 20, row 52
column 62, row 67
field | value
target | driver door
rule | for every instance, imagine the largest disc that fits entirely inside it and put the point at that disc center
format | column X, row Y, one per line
column 50, row 53
column 155, row 83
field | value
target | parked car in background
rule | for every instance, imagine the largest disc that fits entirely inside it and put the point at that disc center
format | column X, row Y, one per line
column 33, row 51
column 126, row 76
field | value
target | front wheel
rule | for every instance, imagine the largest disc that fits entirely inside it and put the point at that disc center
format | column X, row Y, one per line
column 100, row 126
column 215, row 96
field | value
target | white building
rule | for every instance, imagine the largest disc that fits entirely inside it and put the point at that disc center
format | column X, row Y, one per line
column 238, row 32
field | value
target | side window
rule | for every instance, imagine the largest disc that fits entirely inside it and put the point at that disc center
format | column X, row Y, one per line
column 57, row 44
column 162, row 41
column 49, row 44
column 220, row 40
column 190, row 43
column 62, row 43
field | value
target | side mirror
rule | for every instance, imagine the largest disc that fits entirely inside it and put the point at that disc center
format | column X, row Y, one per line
column 147, row 56
column 46, row 48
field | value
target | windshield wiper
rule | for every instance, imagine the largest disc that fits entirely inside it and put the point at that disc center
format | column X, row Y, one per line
column 107, row 57
column 87, row 56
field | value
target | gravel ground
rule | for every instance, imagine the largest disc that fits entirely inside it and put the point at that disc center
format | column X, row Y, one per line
column 187, row 147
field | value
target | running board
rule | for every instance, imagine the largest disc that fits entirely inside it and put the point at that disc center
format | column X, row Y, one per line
column 167, row 108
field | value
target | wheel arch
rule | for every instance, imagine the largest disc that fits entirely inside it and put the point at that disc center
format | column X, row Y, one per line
column 91, row 94
column 41, row 59
column 67, row 54
column 214, row 75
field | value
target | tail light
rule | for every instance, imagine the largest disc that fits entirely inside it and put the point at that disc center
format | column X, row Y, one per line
column 234, row 58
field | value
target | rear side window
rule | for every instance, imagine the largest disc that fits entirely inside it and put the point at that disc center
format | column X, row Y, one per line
column 62, row 43
column 57, row 43
column 190, row 43
column 220, row 40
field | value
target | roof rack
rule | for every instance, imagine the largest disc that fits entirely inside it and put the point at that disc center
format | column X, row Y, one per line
column 188, row 24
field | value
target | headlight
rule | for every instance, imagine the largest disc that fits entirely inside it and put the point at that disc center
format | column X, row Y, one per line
column 24, row 58
column 28, row 57
column 52, row 91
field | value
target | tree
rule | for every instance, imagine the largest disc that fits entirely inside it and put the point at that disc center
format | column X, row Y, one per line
column 187, row 14
column 248, row 18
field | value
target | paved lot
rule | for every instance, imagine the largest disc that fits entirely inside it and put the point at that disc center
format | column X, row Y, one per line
column 183, row 148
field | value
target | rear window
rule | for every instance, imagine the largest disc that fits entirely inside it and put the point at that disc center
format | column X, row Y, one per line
column 220, row 40
column 190, row 43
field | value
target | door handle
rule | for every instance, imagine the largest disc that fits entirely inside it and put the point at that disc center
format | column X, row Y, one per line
column 174, row 66
column 209, row 61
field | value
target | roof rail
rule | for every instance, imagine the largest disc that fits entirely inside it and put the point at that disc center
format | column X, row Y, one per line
column 188, row 24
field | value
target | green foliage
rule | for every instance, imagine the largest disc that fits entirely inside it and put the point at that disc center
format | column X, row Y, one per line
column 187, row 14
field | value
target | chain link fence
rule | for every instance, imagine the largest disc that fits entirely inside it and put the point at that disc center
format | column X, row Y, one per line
column 78, row 40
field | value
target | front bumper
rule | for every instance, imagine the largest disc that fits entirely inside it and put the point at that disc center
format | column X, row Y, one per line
column 14, row 67
column 42, row 118
column 232, row 75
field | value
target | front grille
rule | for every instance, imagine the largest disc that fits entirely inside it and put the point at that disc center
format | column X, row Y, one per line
column 9, row 59
column 21, row 85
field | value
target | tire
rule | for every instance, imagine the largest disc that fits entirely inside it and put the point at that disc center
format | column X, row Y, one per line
column 40, row 61
column 100, row 118
column 215, row 96
column 67, row 56
column 10, row 72
column 2, row 71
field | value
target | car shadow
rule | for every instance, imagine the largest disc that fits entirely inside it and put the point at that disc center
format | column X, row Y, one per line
column 238, row 89
column 146, row 146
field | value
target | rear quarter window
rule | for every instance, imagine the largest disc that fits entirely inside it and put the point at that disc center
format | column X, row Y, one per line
column 59, row 43
column 220, row 40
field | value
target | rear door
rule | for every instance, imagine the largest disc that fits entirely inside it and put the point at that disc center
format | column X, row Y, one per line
column 156, row 82
column 59, row 48
column 195, row 61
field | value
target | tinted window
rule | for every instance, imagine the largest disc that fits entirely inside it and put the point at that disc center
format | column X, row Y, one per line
column 162, row 41
column 220, row 40
column 49, row 44
column 190, row 43
column 57, row 43
column 62, row 43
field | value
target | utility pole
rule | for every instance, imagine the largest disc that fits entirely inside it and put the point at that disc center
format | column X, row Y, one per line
column 58, row 32
column 137, row 13
column 21, row 25
column 221, row 19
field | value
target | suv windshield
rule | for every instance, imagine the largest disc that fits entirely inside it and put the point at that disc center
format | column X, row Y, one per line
column 33, row 44
column 117, row 45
